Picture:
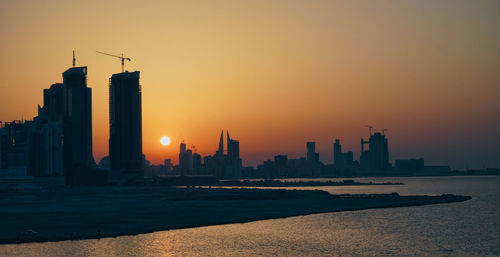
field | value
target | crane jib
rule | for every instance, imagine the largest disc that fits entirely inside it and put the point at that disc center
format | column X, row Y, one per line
column 122, row 58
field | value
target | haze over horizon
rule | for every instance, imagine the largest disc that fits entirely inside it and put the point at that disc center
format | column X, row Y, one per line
column 274, row 73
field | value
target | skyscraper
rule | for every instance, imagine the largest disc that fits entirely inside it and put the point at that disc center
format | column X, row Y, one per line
column 47, row 135
column 376, row 158
column 226, row 165
column 196, row 163
column 125, row 124
column 312, row 155
column 337, row 152
column 341, row 160
column 234, row 154
column 228, row 142
column 183, row 159
column 53, row 103
column 167, row 163
column 77, row 131
column 220, row 151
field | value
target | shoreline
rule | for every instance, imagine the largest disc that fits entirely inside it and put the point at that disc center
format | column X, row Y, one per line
column 284, row 184
column 94, row 213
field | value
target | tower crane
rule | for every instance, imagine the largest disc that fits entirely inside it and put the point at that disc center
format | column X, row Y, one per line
column 123, row 58
column 383, row 130
column 370, row 127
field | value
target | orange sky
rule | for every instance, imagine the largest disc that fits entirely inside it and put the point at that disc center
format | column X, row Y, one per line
column 275, row 73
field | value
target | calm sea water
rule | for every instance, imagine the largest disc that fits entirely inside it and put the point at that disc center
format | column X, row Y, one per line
column 470, row 228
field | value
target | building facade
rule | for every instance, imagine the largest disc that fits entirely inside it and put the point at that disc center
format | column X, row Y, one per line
column 78, row 158
column 125, row 124
column 376, row 158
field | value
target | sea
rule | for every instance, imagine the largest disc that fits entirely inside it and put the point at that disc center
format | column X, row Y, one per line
column 470, row 228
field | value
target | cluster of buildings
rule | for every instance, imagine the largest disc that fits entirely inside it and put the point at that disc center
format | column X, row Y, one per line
column 225, row 163
column 58, row 141
column 374, row 161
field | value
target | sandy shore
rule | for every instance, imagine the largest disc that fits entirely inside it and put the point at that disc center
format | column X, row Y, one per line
column 80, row 213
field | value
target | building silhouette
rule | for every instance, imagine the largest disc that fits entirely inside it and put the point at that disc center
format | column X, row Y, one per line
column 78, row 160
column 185, row 159
column 46, row 135
column 233, row 152
column 375, row 160
column 197, row 164
column 224, row 164
column 233, row 160
column 220, row 151
column 312, row 155
column 14, row 144
column 281, row 165
column 125, row 125
column 104, row 163
column 167, row 163
column 409, row 166
column 341, row 160
column 53, row 104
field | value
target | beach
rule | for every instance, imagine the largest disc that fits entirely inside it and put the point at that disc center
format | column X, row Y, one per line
column 96, row 212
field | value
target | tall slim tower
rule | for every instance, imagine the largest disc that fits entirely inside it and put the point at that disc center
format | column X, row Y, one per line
column 228, row 142
column 77, row 131
column 220, row 151
column 337, row 153
column 125, row 124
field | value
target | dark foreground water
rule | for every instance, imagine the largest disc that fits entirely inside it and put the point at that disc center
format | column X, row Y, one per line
column 470, row 228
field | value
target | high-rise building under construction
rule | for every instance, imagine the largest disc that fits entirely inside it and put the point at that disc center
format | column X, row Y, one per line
column 125, row 124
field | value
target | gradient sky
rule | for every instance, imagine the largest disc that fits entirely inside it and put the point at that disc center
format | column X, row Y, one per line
column 275, row 73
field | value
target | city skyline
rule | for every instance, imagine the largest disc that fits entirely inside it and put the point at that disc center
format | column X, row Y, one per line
column 249, row 128
column 272, row 96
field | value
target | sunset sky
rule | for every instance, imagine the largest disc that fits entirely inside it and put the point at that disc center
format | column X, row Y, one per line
column 274, row 73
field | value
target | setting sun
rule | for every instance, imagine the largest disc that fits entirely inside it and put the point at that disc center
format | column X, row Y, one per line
column 165, row 140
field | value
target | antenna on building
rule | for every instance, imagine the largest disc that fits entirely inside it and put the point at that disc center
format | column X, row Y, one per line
column 117, row 56
column 74, row 59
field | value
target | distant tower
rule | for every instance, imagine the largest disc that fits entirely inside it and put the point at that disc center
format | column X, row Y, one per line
column 125, row 123
column 228, row 142
column 185, row 159
column 168, row 165
column 182, row 148
column 341, row 160
column 182, row 151
column 234, row 156
column 337, row 153
column 196, row 163
column 312, row 156
column 53, row 103
column 77, row 132
column 376, row 158
column 220, row 152
column 189, row 161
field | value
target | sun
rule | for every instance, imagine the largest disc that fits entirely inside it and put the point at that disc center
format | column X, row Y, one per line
column 165, row 140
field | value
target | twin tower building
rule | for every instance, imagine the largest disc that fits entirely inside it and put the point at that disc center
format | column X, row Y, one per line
column 125, row 123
